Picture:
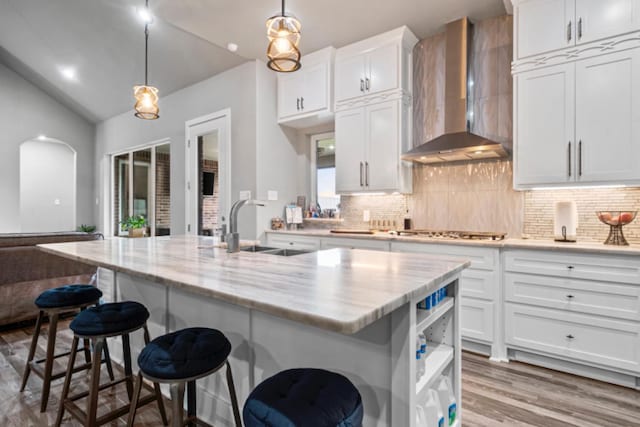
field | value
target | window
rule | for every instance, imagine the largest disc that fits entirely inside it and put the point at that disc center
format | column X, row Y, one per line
column 141, row 187
column 323, row 171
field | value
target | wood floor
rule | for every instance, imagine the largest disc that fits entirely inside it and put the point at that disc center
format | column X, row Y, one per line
column 494, row 394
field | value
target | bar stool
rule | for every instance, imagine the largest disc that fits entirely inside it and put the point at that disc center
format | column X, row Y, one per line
column 52, row 303
column 304, row 397
column 181, row 358
column 97, row 324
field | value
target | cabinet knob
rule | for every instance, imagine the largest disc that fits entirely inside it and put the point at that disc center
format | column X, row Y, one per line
column 570, row 337
column 570, row 267
column 569, row 296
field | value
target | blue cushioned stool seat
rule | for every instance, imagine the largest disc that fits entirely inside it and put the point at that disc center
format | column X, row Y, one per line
column 110, row 319
column 188, row 353
column 68, row 296
column 304, row 397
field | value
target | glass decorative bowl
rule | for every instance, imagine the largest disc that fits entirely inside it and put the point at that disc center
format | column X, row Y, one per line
column 616, row 220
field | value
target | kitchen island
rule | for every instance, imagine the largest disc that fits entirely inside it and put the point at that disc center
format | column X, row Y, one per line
column 349, row 311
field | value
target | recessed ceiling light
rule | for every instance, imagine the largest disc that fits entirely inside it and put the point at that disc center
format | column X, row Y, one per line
column 145, row 15
column 68, row 73
column 232, row 47
column 42, row 137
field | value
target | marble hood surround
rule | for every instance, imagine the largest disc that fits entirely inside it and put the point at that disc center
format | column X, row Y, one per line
column 457, row 143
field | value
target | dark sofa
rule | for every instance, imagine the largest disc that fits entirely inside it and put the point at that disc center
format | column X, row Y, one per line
column 26, row 271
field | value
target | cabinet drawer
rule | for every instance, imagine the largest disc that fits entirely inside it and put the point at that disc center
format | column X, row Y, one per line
column 376, row 245
column 613, row 343
column 479, row 283
column 294, row 242
column 476, row 319
column 578, row 266
column 481, row 258
column 582, row 296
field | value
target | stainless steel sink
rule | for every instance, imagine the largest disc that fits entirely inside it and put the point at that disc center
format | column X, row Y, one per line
column 274, row 251
column 258, row 248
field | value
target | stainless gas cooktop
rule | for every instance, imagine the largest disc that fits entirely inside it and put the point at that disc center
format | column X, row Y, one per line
column 454, row 235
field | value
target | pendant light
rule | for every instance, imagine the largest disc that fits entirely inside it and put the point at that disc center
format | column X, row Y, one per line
column 284, row 36
column 146, row 96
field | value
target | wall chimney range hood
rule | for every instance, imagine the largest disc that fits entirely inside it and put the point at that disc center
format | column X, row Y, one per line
column 458, row 143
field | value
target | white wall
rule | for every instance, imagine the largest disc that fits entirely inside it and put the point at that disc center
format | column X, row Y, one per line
column 278, row 149
column 47, row 187
column 25, row 113
column 234, row 89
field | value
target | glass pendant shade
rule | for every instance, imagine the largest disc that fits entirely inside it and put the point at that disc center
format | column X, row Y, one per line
column 283, row 33
column 146, row 102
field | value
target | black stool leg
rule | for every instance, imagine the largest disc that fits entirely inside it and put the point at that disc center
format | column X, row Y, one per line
column 67, row 381
column 48, row 364
column 32, row 350
column 94, row 385
column 177, row 404
column 126, row 349
column 234, row 398
column 191, row 403
column 107, row 359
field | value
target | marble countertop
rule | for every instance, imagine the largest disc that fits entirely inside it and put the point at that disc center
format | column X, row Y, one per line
column 580, row 246
column 339, row 290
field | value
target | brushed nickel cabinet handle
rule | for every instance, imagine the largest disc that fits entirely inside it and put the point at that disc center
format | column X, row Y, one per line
column 580, row 28
column 569, row 32
column 361, row 85
column 569, row 296
column 361, row 178
column 298, row 103
column 570, row 267
column 569, row 159
column 367, row 173
column 367, row 84
column 580, row 158
column 302, row 103
column 570, row 337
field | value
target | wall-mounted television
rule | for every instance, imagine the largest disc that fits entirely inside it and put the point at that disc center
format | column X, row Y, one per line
column 207, row 183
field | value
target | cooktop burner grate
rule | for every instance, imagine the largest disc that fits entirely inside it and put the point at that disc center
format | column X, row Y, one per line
column 454, row 235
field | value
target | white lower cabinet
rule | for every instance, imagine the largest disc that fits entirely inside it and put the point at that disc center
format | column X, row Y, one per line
column 577, row 337
column 578, row 307
column 477, row 321
column 375, row 245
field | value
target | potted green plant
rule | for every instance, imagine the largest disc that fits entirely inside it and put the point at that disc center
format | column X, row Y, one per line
column 87, row 228
column 135, row 225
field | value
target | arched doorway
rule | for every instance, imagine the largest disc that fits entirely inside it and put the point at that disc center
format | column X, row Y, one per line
column 47, row 186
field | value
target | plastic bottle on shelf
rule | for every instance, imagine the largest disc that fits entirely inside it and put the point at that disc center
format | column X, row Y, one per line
column 419, row 362
column 447, row 399
column 425, row 304
column 434, row 299
column 421, row 419
column 423, row 343
column 433, row 410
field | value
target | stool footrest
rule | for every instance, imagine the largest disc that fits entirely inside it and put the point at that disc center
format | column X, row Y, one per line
column 102, row 387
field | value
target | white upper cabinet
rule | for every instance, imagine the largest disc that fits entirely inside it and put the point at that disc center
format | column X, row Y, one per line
column 383, row 127
column 350, row 151
column 544, row 26
column 375, row 65
column 597, row 19
column 608, row 117
column 305, row 97
column 545, row 136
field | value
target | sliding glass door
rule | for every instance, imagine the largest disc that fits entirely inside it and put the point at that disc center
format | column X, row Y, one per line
column 142, row 189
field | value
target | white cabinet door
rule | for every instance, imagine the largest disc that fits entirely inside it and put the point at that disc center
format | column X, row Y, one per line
column 383, row 134
column 545, row 143
column 597, row 19
column 384, row 66
column 476, row 318
column 350, row 76
column 544, row 25
column 608, row 117
column 350, row 150
column 315, row 95
column 290, row 241
column 290, row 89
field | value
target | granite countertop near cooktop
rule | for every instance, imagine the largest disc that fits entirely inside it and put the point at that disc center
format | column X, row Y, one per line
column 340, row 290
column 550, row 245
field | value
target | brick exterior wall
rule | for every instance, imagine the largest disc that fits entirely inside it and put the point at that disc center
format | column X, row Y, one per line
column 210, row 204
column 163, row 190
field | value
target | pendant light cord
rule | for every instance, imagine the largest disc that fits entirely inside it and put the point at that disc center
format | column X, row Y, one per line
column 282, row 7
column 146, row 46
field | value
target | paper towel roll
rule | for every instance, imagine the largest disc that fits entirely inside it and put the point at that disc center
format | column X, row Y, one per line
column 565, row 222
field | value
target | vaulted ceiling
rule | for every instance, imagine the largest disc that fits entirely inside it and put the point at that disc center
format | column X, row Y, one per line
column 102, row 41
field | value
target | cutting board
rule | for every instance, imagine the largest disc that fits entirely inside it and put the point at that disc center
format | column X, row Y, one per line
column 345, row 231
